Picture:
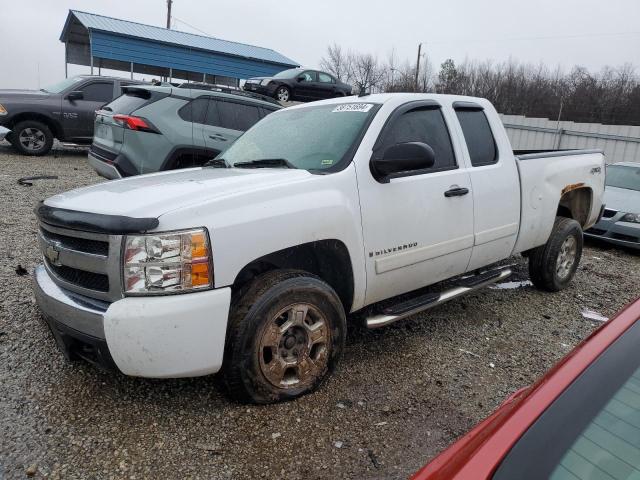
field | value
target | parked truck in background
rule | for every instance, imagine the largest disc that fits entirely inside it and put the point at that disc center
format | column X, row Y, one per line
column 250, row 265
column 64, row 111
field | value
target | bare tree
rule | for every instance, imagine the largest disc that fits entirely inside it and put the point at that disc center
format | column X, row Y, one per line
column 337, row 63
column 610, row 96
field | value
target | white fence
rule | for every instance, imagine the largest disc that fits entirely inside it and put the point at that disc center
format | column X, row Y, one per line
column 621, row 143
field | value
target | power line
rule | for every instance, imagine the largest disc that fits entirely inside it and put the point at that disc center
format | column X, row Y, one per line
column 548, row 37
column 191, row 26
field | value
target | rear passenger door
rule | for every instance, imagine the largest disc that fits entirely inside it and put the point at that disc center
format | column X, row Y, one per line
column 226, row 121
column 495, row 182
column 326, row 85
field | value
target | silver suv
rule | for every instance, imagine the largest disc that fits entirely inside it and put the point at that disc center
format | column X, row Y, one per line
column 155, row 128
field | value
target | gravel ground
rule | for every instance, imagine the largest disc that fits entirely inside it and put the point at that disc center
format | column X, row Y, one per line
column 402, row 395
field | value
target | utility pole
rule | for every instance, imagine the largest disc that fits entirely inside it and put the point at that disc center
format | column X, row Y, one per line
column 418, row 65
column 169, row 2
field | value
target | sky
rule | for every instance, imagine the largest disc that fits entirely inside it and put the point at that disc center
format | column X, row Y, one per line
column 590, row 33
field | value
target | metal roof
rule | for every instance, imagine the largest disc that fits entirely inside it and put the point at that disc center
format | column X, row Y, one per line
column 138, row 30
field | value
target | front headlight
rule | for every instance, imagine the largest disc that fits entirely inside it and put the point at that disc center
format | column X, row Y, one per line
column 172, row 262
column 631, row 217
column 265, row 81
column 3, row 111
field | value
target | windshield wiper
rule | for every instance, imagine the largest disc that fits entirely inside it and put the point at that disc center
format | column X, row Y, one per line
column 265, row 163
column 217, row 163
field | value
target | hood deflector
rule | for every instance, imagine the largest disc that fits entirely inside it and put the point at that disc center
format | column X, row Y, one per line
column 93, row 222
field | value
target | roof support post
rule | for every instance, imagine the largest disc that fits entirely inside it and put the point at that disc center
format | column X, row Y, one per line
column 170, row 74
column 204, row 78
column 91, row 64
column 131, row 70
column 66, row 60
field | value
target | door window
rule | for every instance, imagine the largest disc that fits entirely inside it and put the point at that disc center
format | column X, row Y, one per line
column 308, row 76
column 424, row 125
column 195, row 110
column 324, row 78
column 479, row 138
column 237, row 116
column 98, row 92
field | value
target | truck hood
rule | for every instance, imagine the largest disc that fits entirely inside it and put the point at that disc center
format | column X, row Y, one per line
column 23, row 95
column 159, row 193
column 622, row 199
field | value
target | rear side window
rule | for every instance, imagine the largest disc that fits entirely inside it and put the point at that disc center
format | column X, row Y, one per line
column 195, row 110
column 479, row 138
column 424, row 125
column 237, row 116
column 98, row 92
column 127, row 103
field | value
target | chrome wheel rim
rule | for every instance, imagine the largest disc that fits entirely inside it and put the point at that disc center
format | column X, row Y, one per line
column 32, row 138
column 293, row 347
column 566, row 257
column 283, row 94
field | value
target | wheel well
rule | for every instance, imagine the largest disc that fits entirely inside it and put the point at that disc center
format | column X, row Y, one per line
column 328, row 259
column 576, row 203
column 54, row 126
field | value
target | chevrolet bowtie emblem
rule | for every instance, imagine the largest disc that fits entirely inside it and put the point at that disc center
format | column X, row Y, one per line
column 53, row 253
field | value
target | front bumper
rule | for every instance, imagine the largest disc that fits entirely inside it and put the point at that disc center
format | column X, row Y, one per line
column 614, row 231
column 268, row 90
column 165, row 336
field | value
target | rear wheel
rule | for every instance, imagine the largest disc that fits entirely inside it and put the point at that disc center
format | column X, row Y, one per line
column 283, row 94
column 286, row 335
column 553, row 265
column 31, row 137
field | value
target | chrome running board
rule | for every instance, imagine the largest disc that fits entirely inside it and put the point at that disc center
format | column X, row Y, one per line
column 424, row 302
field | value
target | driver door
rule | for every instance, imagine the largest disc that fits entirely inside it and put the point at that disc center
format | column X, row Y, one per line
column 79, row 114
column 306, row 85
column 415, row 232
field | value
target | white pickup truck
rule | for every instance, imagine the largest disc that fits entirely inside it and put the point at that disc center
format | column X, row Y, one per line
column 251, row 264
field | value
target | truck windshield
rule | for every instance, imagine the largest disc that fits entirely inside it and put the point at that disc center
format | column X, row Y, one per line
column 623, row 176
column 61, row 86
column 311, row 138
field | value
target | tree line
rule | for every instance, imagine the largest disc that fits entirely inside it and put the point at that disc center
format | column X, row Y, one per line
column 610, row 96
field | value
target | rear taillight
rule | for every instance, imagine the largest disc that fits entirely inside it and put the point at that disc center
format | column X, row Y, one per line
column 135, row 123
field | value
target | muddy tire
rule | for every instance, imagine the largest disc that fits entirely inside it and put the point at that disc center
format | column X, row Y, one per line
column 553, row 265
column 286, row 335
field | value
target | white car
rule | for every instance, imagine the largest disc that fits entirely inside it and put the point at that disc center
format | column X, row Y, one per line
column 251, row 264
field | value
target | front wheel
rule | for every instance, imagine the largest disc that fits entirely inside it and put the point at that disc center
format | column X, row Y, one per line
column 553, row 265
column 283, row 94
column 31, row 137
column 286, row 335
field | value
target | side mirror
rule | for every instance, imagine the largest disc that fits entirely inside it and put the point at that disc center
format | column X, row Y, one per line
column 75, row 95
column 301, row 78
column 404, row 157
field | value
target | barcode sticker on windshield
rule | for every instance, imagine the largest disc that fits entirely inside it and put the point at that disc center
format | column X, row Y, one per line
column 353, row 107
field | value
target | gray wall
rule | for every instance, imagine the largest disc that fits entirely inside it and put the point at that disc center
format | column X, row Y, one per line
column 621, row 143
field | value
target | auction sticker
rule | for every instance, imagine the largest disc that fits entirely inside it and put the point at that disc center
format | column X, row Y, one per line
column 353, row 107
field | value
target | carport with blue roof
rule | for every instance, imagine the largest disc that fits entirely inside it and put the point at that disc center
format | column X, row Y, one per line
column 104, row 42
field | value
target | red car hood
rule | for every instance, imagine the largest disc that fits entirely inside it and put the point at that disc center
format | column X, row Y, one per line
column 478, row 454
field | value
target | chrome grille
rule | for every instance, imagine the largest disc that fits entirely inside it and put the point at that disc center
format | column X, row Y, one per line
column 75, row 243
column 83, row 262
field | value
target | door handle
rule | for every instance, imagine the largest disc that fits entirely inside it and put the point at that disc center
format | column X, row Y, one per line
column 456, row 192
column 218, row 137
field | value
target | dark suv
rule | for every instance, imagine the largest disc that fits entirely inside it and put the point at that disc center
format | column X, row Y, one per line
column 299, row 84
column 151, row 129
column 64, row 111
